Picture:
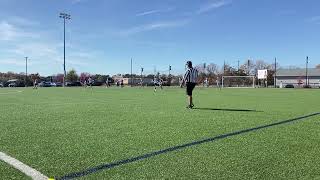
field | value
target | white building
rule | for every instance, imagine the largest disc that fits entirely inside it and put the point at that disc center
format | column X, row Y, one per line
column 297, row 77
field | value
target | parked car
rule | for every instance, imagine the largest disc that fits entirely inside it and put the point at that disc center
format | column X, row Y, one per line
column 58, row 84
column 1, row 85
column 53, row 84
column 289, row 86
column 97, row 83
column 14, row 83
column 72, row 84
column 45, row 84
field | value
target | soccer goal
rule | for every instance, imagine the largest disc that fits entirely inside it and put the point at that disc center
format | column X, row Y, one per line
column 238, row 82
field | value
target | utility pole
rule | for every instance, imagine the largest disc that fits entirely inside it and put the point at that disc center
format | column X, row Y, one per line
column 275, row 72
column 238, row 67
column 131, row 74
column 141, row 77
column 68, row 17
column 224, row 68
column 26, row 71
column 169, row 77
column 141, row 72
column 248, row 67
column 307, row 78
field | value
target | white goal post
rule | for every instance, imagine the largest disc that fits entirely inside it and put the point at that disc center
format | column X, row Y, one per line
column 238, row 82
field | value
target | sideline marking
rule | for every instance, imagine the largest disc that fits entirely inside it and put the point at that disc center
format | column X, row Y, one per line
column 175, row 148
column 14, row 92
column 27, row 170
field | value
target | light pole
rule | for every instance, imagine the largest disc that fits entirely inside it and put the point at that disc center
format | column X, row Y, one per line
column 224, row 68
column 64, row 16
column 141, row 72
column 275, row 72
column 141, row 77
column 131, row 74
column 169, row 77
column 248, row 73
column 26, row 71
column 307, row 78
column 238, row 67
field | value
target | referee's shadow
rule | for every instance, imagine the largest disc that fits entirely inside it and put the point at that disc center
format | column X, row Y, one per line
column 223, row 109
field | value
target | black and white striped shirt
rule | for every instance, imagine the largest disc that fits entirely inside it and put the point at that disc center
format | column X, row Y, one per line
column 191, row 75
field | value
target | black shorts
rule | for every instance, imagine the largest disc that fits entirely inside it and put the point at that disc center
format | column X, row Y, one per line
column 190, row 87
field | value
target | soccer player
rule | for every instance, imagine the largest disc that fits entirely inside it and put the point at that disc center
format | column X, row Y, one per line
column 107, row 83
column 35, row 84
column 155, row 83
column 218, row 83
column 84, row 83
column 121, row 83
column 160, row 83
column 206, row 82
column 90, row 81
column 180, row 82
column 190, row 79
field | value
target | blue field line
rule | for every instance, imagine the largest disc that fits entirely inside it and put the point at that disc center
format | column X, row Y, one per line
column 175, row 148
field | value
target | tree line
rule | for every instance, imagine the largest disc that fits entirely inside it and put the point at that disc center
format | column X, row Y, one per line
column 211, row 72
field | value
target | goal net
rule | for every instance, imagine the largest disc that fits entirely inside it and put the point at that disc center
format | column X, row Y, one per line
column 238, row 82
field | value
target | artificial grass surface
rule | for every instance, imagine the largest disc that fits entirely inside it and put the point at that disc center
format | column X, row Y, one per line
column 8, row 172
column 58, row 131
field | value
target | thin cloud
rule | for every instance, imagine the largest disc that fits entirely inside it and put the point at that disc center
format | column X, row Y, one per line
column 48, row 52
column 286, row 12
column 145, row 13
column 10, row 32
column 77, row 1
column 154, row 26
column 212, row 6
column 12, row 62
column 314, row 19
column 7, row 31
column 44, row 52
column 22, row 21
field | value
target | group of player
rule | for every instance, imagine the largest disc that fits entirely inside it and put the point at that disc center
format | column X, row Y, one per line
column 206, row 83
column 90, row 82
column 119, row 83
column 189, row 79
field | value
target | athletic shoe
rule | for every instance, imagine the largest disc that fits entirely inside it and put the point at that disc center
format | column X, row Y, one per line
column 189, row 107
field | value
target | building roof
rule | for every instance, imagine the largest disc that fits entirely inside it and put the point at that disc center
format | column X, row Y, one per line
column 12, row 80
column 298, row 72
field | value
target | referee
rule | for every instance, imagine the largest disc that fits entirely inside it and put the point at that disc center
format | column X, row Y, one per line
column 190, row 79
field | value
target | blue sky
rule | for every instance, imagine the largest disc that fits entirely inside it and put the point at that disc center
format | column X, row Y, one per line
column 103, row 35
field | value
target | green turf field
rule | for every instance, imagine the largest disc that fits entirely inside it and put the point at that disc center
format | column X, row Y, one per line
column 61, row 131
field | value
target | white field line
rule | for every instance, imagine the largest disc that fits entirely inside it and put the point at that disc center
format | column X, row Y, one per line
column 14, row 92
column 27, row 170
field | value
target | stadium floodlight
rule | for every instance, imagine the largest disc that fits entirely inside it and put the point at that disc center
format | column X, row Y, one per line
column 238, row 82
column 141, row 72
column 26, row 71
column 275, row 72
column 65, row 17
column 307, row 78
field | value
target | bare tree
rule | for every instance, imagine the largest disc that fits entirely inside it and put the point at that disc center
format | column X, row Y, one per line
column 247, row 67
column 261, row 64
column 212, row 69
